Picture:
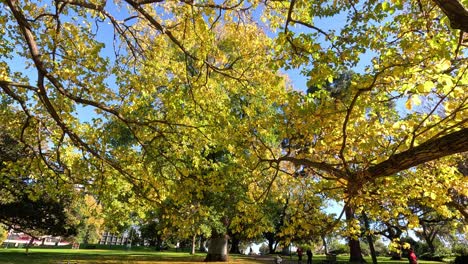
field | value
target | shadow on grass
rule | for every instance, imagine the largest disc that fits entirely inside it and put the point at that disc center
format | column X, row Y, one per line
column 91, row 256
column 88, row 257
column 109, row 257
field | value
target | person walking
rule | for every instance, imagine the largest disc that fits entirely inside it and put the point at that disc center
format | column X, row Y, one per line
column 412, row 257
column 299, row 255
column 309, row 256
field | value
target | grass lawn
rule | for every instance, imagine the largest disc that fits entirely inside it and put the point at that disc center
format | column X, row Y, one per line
column 96, row 256
column 341, row 259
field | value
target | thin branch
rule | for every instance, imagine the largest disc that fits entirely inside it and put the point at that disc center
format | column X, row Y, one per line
column 308, row 163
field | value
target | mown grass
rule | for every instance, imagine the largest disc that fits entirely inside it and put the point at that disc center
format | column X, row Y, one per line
column 341, row 259
column 98, row 256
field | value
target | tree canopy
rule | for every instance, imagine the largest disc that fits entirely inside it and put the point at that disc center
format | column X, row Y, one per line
column 27, row 203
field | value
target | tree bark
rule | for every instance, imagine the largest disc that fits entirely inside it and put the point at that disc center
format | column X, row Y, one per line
column 272, row 247
column 369, row 239
column 433, row 149
column 355, row 252
column 325, row 245
column 459, row 202
column 217, row 249
column 29, row 244
column 234, row 245
column 86, row 237
column 456, row 13
column 436, row 148
column 194, row 244
column 202, row 244
column 270, row 237
column 159, row 242
column 429, row 235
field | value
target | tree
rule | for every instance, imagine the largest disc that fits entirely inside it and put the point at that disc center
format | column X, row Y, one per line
column 3, row 234
column 352, row 142
column 264, row 249
column 28, row 204
column 153, row 233
column 176, row 118
column 89, row 214
column 276, row 212
column 183, row 75
column 41, row 216
column 434, row 228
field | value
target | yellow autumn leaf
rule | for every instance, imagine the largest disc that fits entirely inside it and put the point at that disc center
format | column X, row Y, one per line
column 444, row 65
column 408, row 104
column 416, row 100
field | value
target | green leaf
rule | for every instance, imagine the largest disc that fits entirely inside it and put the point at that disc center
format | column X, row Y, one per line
column 385, row 6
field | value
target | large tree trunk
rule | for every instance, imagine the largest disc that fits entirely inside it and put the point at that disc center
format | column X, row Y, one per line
column 194, row 244
column 29, row 244
column 369, row 239
column 234, row 245
column 429, row 235
column 270, row 237
column 159, row 243
column 355, row 253
column 202, row 244
column 273, row 247
column 86, row 238
column 217, row 249
column 325, row 244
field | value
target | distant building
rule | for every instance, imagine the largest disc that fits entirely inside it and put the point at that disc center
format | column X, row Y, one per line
column 17, row 239
column 109, row 238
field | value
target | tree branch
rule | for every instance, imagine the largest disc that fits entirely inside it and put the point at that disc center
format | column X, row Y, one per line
column 317, row 165
column 453, row 143
column 456, row 13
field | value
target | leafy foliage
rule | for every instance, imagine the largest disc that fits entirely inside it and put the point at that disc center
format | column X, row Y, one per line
column 3, row 233
column 43, row 216
column 89, row 218
column 24, row 205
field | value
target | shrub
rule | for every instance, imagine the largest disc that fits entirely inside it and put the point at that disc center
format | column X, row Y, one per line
column 461, row 259
column 430, row 256
column 340, row 249
column 460, row 249
column 3, row 233
column 443, row 252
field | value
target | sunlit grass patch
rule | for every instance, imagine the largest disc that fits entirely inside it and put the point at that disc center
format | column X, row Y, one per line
column 107, row 256
column 98, row 256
